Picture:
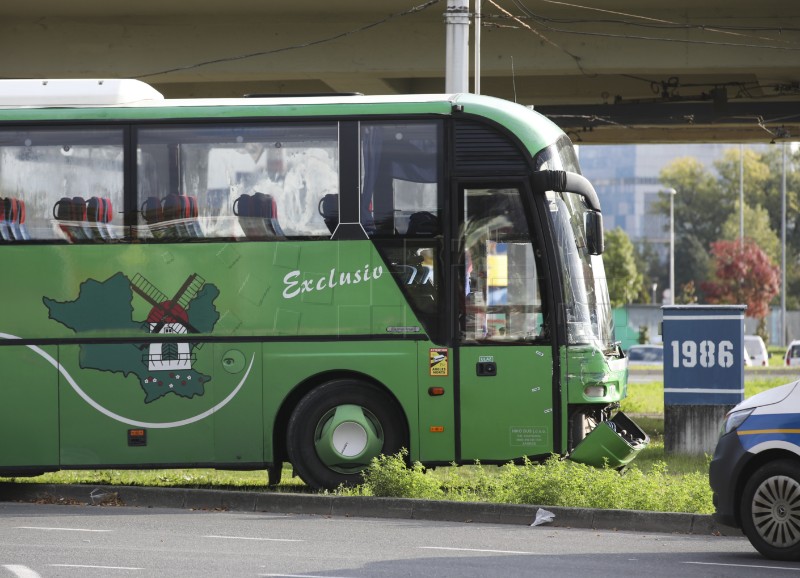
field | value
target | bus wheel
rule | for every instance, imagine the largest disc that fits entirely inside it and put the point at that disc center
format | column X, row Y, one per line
column 770, row 510
column 336, row 430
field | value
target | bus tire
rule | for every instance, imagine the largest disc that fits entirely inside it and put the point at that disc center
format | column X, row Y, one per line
column 336, row 430
column 770, row 510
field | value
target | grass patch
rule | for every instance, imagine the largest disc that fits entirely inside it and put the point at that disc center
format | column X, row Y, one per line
column 555, row 482
column 648, row 398
column 183, row 478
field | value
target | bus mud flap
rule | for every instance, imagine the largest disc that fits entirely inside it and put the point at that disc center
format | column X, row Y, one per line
column 613, row 443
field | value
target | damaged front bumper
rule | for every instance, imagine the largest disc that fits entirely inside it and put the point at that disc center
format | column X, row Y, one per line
column 613, row 443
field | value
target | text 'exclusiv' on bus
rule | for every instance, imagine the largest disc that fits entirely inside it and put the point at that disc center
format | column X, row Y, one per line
column 237, row 283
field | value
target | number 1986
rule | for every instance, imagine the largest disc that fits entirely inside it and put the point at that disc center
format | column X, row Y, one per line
column 707, row 353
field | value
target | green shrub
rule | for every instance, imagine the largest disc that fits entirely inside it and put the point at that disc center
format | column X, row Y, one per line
column 556, row 482
column 389, row 476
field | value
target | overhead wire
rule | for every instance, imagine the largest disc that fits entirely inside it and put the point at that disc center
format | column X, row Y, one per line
column 656, row 22
column 542, row 20
column 413, row 10
column 540, row 35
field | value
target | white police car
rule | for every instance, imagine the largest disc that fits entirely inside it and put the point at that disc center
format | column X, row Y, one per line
column 755, row 472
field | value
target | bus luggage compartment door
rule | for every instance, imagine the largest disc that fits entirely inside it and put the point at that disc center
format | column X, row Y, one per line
column 506, row 401
column 29, row 412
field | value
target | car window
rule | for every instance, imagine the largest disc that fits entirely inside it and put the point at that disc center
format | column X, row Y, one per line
column 654, row 354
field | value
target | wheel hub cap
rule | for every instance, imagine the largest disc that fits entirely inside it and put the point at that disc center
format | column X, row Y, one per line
column 776, row 511
column 347, row 438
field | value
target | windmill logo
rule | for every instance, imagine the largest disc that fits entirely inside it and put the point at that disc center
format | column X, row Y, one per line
column 166, row 362
column 169, row 316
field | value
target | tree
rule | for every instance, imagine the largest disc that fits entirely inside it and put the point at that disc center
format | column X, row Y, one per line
column 755, row 175
column 650, row 266
column 623, row 277
column 769, row 196
column 701, row 205
column 744, row 274
column 756, row 227
column 693, row 265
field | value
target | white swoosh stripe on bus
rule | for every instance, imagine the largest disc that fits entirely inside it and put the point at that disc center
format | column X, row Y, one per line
column 123, row 419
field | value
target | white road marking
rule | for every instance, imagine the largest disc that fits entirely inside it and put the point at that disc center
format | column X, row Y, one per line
column 59, row 529
column 21, row 571
column 744, row 566
column 475, row 550
column 301, row 576
column 96, row 567
column 249, row 538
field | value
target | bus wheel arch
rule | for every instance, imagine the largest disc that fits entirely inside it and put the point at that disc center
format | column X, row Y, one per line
column 338, row 426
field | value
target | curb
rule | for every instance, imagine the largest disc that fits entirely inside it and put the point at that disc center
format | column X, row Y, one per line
column 364, row 507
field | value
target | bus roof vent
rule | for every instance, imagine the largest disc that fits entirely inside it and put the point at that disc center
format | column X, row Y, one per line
column 75, row 92
column 482, row 149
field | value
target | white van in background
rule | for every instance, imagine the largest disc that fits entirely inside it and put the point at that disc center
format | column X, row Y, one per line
column 756, row 351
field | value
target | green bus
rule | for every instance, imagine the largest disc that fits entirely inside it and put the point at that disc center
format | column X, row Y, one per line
column 239, row 283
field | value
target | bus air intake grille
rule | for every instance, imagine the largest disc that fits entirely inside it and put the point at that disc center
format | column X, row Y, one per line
column 481, row 150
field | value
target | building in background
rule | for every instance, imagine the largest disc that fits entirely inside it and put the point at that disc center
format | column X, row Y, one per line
column 626, row 178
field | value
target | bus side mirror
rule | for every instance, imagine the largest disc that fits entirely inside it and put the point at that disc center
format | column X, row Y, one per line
column 595, row 241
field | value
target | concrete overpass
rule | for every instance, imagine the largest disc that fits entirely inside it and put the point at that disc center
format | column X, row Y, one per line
column 605, row 70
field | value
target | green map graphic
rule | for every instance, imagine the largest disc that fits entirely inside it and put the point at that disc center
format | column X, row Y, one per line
column 107, row 307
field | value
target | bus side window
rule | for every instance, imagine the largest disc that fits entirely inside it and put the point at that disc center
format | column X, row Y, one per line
column 260, row 182
column 400, row 179
column 40, row 167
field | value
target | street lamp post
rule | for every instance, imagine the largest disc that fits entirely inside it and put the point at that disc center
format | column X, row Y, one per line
column 671, row 193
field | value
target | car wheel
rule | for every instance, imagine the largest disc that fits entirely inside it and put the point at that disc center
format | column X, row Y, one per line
column 770, row 510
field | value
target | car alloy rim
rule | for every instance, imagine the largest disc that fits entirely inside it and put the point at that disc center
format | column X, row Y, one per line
column 776, row 511
column 347, row 437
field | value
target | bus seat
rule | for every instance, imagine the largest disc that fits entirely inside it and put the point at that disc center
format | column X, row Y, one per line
column 14, row 216
column 258, row 215
column 5, row 232
column 265, row 208
column 10, row 219
column 71, row 216
column 97, row 213
column 151, row 210
column 179, row 216
column 172, row 207
column 329, row 210
column 192, row 211
column 23, row 230
column 423, row 224
column 241, row 208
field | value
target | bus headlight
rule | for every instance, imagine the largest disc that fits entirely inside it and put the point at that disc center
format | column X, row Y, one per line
column 595, row 390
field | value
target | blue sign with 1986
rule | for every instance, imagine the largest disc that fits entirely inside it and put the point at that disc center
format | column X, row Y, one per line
column 703, row 354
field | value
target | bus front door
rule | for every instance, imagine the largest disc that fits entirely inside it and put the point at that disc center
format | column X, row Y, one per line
column 505, row 357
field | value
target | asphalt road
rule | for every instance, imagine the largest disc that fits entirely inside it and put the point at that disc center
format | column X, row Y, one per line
column 64, row 540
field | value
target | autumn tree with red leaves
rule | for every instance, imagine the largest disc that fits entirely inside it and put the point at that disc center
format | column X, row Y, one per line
column 744, row 275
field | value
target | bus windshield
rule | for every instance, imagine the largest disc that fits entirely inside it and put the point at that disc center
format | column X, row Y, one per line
column 589, row 316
